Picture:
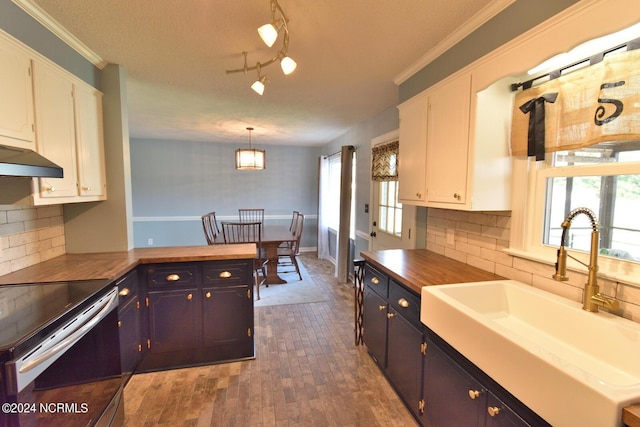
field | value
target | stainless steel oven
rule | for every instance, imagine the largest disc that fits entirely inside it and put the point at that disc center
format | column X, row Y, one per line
column 60, row 354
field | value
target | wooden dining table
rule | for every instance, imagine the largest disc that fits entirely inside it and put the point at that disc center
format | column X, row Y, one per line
column 272, row 237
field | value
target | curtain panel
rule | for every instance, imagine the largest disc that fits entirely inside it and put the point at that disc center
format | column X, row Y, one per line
column 598, row 103
column 384, row 162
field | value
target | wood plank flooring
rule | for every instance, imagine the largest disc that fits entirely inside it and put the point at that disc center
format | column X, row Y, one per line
column 307, row 372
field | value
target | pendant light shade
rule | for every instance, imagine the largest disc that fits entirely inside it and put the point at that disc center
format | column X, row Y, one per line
column 250, row 158
column 268, row 34
column 258, row 85
column 288, row 65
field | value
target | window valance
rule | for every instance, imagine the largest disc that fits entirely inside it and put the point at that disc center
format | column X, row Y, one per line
column 598, row 103
column 384, row 162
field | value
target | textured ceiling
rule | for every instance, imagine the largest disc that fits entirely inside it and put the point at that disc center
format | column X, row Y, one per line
column 175, row 54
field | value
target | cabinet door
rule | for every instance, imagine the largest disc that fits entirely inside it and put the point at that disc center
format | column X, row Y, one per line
column 227, row 316
column 53, row 92
column 448, row 141
column 174, row 320
column 405, row 360
column 500, row 415
column 375, row 326
column 452, row 397
column 130, row 339
column 16, row 97
column 412, row 151
column 89, row 142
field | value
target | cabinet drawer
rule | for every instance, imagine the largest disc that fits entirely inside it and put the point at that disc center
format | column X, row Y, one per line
column 127, row 287
column 172, row 275
column 377, row 281
column 224, row 273
column 404, row 302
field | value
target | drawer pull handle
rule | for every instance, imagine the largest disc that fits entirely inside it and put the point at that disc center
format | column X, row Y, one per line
column 173, row 278
column 208, row 295
column 493, row 410
column 375, row 280
column 390, row 315
column 382, row 307
column 403, row 303
column 225, row 274
column 124, row 292
column 474, row 394
column 190, row 297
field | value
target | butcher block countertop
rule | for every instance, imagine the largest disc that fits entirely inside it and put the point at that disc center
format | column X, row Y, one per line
column 111, row 265
column 416, row 268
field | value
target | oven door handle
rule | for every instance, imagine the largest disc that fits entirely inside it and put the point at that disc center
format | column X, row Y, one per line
column 73, row 337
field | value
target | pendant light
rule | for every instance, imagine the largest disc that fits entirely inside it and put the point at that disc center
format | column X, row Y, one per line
column 250, row 158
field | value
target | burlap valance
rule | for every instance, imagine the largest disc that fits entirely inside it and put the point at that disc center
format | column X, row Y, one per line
column 384, row 162
column 598, row 103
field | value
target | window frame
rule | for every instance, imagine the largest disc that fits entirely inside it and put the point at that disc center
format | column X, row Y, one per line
column 528, row 216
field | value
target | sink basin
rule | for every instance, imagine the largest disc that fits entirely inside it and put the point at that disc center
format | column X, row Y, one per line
column 570, row 366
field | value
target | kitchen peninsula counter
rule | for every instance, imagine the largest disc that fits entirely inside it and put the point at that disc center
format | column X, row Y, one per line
column 416, row 268
column 111, row 265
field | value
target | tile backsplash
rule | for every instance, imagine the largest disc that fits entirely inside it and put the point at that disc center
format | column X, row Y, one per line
column 479, row 240
column 29, row 235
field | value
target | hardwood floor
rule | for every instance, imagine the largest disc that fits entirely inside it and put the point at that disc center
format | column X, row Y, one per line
column 307, row 372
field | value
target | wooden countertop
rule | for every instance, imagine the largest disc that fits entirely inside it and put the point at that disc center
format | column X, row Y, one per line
column 631, row 415
column 111, row 265
column 416, row 268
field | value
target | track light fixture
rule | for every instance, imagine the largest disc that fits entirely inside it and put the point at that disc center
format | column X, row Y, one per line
column 269, row 34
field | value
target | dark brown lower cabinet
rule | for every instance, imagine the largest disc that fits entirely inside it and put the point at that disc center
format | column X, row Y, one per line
column 195, row 318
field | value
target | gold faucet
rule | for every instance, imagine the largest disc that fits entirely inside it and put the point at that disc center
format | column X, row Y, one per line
column 592, row 296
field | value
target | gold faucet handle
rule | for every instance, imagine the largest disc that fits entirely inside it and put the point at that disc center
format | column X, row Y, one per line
column 605, row 301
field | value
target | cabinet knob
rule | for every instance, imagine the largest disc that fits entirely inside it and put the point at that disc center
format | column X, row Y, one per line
column 474, row 394
column 382, row 307
column 457, row 196
column 493, row 410
column 207, row 295
column 403, row 303
column 50, row 189
column 190, row 297
column 225, row 275
column 85, row 188
column 173, row 278
column 418, row 195
column 119, row 323
column 375, row 280
column 124, row 292
column 390, row 315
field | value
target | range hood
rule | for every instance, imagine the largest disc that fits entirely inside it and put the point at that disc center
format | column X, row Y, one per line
column 24, row 162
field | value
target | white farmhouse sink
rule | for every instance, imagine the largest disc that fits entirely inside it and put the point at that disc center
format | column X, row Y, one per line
column 572, row 367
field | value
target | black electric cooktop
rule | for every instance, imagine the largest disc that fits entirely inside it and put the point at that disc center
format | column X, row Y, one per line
column 31, row 309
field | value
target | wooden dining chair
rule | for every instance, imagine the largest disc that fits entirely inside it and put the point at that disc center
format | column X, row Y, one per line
column 249, row 232
column 251, row 215
column 210, row 226
column 292, row 251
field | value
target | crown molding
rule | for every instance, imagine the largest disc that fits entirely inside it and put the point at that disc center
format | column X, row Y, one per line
column 463, row 31
column 37, row 13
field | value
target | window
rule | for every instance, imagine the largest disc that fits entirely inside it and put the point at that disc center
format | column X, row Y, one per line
column 612, row 194
column 604, row 178
column 390, row 210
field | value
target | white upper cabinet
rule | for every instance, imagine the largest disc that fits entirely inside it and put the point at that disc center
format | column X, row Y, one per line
column 55, row 129
column 16, row 96
column 90, row 142
column 69, row 133
column 412, row 150
column 458, row 153
column 448, row 141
